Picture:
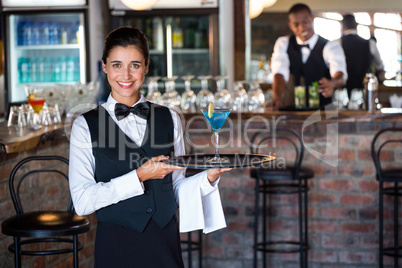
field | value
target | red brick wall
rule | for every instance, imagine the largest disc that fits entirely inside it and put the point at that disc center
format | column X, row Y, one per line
column 343, row 204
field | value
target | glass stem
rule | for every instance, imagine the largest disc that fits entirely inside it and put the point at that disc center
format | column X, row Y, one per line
column 216, row 144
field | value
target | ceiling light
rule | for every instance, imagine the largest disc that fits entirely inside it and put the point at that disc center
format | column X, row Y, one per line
column 139, row 5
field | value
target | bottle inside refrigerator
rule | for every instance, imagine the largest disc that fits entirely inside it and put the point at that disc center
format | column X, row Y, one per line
column 180, row 45
column 44, row 49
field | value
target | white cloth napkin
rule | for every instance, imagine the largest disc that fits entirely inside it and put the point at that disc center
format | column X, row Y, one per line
column 199, row 212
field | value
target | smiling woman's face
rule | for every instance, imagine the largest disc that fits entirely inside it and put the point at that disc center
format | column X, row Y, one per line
column 125, row 68
column 301, row 24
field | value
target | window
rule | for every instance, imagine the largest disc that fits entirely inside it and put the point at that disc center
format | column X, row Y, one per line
column 386, row 27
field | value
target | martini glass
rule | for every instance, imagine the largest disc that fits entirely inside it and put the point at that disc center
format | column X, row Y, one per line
column 216, row 121
column 36, row 103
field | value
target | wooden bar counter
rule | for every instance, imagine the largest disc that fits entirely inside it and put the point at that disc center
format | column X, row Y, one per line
column 343, row 196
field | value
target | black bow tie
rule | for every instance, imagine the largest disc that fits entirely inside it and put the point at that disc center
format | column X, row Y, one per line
column 141, row 110
column 304, row 45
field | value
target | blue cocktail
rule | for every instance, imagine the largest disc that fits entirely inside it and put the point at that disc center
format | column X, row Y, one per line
column 216, row 118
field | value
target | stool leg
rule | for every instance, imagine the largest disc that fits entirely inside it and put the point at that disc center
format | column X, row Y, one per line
column 17, row 252
column 396, row 209
column 264, row 226
column 381, row 225
column 306, row 222
column 300, row 225
column 189, row 259
column 200, row 250
column 75, row 249
column 256, row 203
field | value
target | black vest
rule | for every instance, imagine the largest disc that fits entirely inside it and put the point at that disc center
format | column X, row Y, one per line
column 115, row 154
column 358, row 60
column 314, row 68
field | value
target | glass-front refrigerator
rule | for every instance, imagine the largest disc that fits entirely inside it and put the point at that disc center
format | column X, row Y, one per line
column 183, row 38
column 45, row 45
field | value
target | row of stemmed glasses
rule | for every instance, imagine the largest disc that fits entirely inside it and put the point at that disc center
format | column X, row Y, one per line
column 238, row 99
column 189, row 101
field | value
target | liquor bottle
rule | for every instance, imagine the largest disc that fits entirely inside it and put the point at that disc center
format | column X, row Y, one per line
column 189, row 36
column 45, row 33
column 20, row 33
column 199, row 36
column 157, row 34
column 77, row 74
column 177, row 35
column 63, row 69
column 54, row 33
column 48, row 69
column 70, row 69
column 73, row 32
column 34, row 69
column 24, row 70
column 27, row 34
column 56, row 74
column 36, row 33
column 149, row 31
column 63, row 35
column 20, row 70
column 40, row 73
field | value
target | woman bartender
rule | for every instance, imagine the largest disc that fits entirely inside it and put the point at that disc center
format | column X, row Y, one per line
column 117, row 170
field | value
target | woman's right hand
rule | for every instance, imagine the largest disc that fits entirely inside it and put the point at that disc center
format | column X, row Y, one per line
column 155, row 169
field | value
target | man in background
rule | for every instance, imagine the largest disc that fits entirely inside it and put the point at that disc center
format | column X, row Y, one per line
column 303, row 58
column 362, row 55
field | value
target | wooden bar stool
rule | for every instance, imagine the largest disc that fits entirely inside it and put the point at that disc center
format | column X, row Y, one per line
column 272, row 179
column 388, row 139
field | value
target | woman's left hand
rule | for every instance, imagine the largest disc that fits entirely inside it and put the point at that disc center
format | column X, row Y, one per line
column 215, row 173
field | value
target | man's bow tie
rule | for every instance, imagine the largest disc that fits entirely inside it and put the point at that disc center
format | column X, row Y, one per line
column 304, row 45
column 141, row 110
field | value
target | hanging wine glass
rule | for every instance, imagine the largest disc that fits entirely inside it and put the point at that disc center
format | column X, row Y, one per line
column 205, row 96
column 222, row 96
column 256, row 98
column 153, row 93
column 239, row 97
column 188, row 97
column 171, row 97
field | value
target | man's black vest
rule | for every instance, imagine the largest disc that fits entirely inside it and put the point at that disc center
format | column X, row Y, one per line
column 115, row 155
column 358, row 59
column 311, row 71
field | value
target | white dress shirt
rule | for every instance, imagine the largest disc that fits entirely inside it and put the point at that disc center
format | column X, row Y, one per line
column 333, row 55
column 199, row 201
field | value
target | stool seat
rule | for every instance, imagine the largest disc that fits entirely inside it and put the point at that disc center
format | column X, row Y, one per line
column 281, row 174
column 391, row 174
column 45, row 223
